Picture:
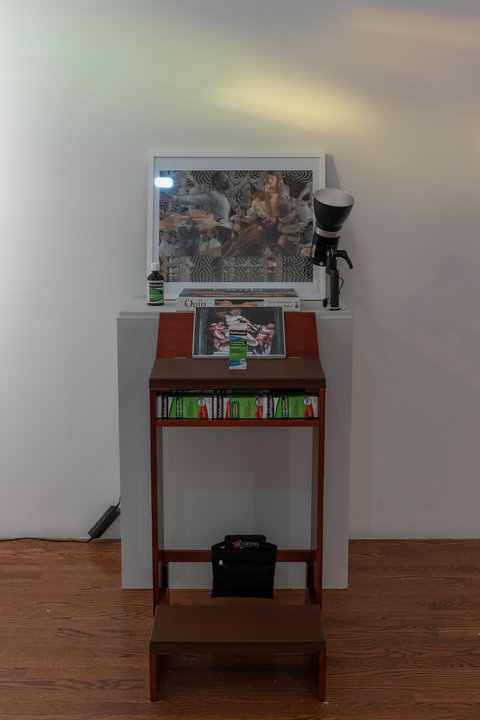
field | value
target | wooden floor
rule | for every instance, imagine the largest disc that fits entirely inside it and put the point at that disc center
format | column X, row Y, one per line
column 402, row 642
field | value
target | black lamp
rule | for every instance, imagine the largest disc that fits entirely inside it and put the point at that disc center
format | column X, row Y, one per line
column 332, row 207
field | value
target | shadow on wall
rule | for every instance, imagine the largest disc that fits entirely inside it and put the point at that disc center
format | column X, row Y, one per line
column 443, row 310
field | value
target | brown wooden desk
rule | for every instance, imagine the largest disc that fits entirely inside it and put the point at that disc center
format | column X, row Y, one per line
column 179, row 628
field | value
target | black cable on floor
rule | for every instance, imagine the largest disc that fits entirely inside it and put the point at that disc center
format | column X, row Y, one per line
column 83, row 542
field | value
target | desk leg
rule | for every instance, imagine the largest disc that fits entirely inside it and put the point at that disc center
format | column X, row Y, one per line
column 160, row 580
column 314, row 575
column 310, row 584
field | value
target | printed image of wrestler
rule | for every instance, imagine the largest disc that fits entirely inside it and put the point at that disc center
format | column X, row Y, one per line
column 265, row 334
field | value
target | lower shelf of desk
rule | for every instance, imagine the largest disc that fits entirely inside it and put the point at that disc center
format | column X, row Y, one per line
column 237, row 630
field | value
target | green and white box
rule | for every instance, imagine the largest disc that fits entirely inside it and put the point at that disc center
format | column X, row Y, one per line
column 237, row 346
column 245, row 405
column 294, row 405
column 185, row 406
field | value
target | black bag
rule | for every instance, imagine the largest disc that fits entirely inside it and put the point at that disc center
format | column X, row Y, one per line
column 243, row 566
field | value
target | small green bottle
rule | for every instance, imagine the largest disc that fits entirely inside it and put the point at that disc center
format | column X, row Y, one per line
column 155, row 285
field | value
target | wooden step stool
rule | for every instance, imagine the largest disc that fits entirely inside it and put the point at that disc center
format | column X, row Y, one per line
column 237, row 630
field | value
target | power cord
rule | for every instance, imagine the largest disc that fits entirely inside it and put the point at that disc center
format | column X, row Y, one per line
column 83, row 542
column 95, row 532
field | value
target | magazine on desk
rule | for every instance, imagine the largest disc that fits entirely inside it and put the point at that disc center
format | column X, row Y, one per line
column 265, row 331
column 190, row 298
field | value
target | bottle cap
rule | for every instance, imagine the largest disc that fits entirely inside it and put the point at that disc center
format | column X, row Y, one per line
column 154, row 266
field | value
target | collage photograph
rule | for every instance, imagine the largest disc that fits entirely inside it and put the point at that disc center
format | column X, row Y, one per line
column 235, row 226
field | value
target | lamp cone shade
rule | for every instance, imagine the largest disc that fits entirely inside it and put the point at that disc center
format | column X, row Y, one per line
column 332, row 207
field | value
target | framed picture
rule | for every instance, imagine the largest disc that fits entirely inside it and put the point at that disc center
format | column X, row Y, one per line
column 265, row 331
column 240, row 222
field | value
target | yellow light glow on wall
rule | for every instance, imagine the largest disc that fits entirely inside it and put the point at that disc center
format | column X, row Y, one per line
column 281, row 102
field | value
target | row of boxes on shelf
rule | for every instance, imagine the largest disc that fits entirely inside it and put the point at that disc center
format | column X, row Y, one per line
column 236, row 405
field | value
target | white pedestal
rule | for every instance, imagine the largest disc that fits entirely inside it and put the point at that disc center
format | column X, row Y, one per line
column 222, row 480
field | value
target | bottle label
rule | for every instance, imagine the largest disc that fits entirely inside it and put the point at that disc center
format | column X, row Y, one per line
column 155, row 292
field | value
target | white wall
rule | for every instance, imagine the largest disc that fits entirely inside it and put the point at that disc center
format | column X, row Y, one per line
column 388, row 89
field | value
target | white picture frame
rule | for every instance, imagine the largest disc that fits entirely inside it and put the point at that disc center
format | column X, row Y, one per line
column 283, row 263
